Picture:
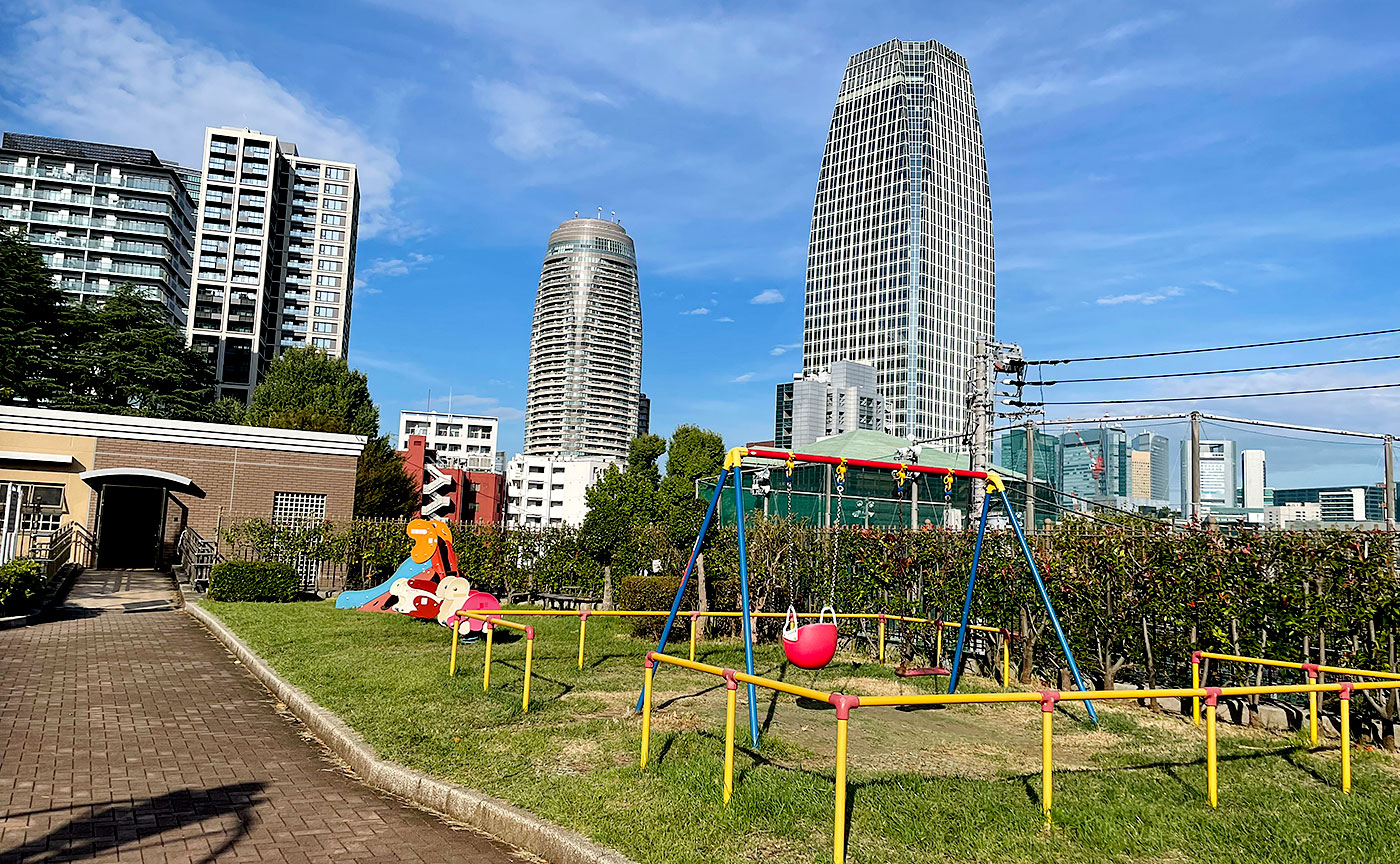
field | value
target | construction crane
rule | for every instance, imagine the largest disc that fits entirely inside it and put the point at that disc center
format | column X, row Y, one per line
column 1096, row 460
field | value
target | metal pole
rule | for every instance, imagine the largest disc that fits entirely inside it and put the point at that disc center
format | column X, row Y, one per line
column 913, row 504
column 1195, row 463
column 1030, row 475
column 967, row 599
column 1389, row 482
column 826, row 517
column 744, row 596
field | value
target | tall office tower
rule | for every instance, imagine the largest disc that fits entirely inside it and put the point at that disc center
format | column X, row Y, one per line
column 1047, row 455
column 585, row 376
column 1218, row 477
column 1094, row 464
column 900, row 270
column 1253, row 478
column 841, row 399
column 276, row 249
column 101, row 216
column 1156, row 462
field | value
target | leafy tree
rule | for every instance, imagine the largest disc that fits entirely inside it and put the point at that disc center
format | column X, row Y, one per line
column 306, row 389
column 694, row 453
column 382, row 487
column 33, row 319
column 126, row 358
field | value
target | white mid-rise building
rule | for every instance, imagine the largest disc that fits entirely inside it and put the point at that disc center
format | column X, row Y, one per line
column 1253, row 477
column 466, row 441
column 900, row 271
column 275, row 255
column 1343, row 505
column 840, row 399
column 1219, row 478
column 1282, row 515
column 546, row 490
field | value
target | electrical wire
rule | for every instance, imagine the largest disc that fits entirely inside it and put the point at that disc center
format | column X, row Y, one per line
column 1252, row 430
column 1206, row 398
column 1207, row 350
column 1212, row 372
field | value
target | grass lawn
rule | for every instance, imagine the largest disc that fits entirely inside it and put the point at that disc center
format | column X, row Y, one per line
column 955, row 784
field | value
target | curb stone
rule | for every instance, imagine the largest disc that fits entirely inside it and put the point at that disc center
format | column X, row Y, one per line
column 502, row 820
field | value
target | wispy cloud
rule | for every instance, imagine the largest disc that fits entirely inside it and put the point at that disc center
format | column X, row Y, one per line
column 725, row 320
column 1211, row 283
column 698, row 310
column 1144, row 299
column 396, row 266
column 743, row 379
column 780, row 350
column 765, row 297
column 110, row 77
column 531, row 121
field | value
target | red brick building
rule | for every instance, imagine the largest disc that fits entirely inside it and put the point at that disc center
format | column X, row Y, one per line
column 454, row 494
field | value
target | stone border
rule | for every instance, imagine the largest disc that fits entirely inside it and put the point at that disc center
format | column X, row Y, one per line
column 56, row 588
column 502, row 820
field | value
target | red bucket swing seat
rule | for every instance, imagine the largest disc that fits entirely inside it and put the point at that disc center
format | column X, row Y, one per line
column 810, row 646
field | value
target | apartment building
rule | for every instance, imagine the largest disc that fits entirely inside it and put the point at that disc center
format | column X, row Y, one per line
column 275, row 251
column 101, row 216
column 466, row 441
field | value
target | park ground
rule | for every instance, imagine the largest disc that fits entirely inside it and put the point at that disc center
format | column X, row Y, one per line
column 959, row 784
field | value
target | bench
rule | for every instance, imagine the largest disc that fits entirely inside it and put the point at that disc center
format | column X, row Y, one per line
column 569, row 597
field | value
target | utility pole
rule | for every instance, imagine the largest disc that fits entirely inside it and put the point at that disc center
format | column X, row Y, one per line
column 1030, row 475
column 1196, row 465
column 1390, row 482
column 979, row 405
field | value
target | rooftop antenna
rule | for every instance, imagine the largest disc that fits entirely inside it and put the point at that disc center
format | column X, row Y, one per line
column 575, row 214
column 600, row 212
column 612, row 214
column 430, row 399
column 449, row 400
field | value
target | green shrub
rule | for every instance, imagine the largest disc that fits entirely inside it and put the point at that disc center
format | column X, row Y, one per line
column 653, row 593
column 257, row 581
column 20, row 583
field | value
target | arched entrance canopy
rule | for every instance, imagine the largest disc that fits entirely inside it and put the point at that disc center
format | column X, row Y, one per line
column 141, row 477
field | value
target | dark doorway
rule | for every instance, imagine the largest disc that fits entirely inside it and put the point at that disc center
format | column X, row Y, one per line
column 129, row 527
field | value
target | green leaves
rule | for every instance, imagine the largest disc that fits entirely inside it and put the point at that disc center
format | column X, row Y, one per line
column 305, row 389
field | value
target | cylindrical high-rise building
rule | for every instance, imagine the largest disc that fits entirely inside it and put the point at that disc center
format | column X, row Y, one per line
column 585, row 379
column 900, row 271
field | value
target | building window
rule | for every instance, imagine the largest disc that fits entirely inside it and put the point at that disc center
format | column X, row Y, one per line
column 290, row 507
column 337, row 189
column 324, row 344
column 337, row 173
column 332, row 219
column 326, row 312
column 328, row 296
column 333, row 204
column 329, row 265
column 332, row 234
column 328, row 281
column 33, row 507
column 323, row 326
column 327, row 249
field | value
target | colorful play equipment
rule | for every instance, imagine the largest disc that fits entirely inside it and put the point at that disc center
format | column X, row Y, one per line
column 490, row 623
column 1046, row 701
column 810, row 646
column 426, row 584
column 806, row 649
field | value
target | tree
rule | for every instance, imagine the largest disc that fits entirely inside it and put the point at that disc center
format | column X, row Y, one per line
column 382, row 486
column 33, row 319
column 694, row 453
column 306, row 389
column 126, row 358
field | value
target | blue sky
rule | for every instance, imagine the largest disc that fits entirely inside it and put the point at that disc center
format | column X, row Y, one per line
column 1161, row 177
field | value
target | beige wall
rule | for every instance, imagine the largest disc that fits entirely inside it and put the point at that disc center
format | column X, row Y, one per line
column 77, row 495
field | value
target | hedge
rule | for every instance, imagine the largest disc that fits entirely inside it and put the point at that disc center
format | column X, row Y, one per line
column 256, row 581
column 21, row 580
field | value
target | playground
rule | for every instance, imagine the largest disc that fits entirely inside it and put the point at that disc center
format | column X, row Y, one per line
column 991, row 769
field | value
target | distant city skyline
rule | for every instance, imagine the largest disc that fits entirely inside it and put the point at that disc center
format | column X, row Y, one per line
column 1142, row 199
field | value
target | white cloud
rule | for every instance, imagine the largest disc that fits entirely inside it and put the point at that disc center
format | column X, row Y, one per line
column 725, row 320
column 770, row 295
column 108, row 76
column 530, row 122
column 742, row 379
column 1145, row 299
column 698, row 310
column 395, row 266
column 780, row 350
column 1211, row 283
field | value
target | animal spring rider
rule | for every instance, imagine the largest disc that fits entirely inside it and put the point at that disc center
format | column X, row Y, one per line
column 733, row 464
column 426, row 584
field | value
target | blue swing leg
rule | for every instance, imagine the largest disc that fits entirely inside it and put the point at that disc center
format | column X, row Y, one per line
column 690, row 565
column 744, row 596
column 1049, row 607
column 967, row 600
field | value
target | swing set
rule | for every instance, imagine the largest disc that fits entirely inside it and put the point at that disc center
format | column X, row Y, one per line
column 812, row 646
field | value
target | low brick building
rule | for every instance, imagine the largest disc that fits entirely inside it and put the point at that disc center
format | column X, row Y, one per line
column 453, row 494
column 137, row 482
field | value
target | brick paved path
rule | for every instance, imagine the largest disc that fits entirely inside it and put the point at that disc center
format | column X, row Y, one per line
column 129, row 734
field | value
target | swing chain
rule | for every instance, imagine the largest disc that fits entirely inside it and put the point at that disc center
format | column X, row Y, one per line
column 836, row 536
column 792, row 533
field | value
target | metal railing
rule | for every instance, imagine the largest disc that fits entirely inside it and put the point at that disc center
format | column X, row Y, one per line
column 197, row 557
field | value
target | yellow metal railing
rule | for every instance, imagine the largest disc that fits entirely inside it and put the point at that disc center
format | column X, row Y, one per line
column 1047, row 701
column 492, row 622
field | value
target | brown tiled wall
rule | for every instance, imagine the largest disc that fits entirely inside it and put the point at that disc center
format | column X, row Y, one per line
column 236, row 481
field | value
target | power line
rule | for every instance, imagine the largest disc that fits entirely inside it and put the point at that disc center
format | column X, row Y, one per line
column 1205, row 398
column 1206, row 350
column 1237, row 427
column 1212, row 372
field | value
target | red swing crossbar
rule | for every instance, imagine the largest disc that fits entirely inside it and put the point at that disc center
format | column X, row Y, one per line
column 913, row 468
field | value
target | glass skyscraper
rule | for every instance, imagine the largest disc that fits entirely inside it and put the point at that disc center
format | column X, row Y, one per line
column 900, row 271
column 584, row 394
